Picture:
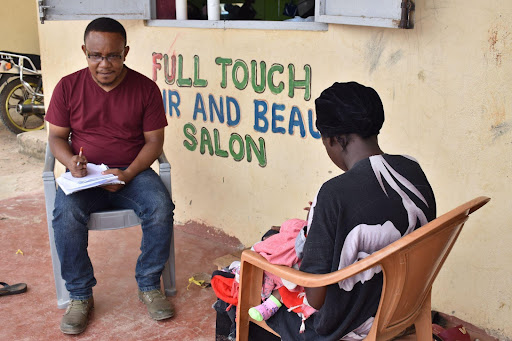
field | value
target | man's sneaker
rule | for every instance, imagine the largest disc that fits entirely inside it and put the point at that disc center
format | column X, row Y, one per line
column 158, row 306
column 76, row 316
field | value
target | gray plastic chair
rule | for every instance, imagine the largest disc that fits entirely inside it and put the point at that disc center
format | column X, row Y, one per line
column 105, row 220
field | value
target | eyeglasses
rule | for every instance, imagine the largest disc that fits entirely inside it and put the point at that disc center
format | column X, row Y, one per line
column 98, row 58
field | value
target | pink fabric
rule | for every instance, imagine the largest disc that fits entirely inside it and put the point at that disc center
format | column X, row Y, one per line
column 272, row 282
column 269, row 285
column 280, row 248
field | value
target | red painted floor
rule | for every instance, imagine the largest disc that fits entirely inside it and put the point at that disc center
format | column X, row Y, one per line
column 118, row 315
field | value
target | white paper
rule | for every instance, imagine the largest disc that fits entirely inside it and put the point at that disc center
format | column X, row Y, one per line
column 69, row 184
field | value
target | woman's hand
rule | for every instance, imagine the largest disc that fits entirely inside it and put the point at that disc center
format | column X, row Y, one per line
column 308, row 208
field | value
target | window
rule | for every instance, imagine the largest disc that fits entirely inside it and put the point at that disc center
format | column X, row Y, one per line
column 266, row 10
column 248, row 14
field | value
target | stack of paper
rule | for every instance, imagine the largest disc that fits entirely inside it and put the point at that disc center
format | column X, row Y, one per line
column 69, row 184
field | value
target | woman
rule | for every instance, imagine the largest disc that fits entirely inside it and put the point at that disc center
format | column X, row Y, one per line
column 378, row 199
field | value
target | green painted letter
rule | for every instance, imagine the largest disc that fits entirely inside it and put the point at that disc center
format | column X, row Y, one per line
column 300, row 84
column 184, row 82
column 200, row 83
column 260, row 153
column 245, row 80
column 218, row 150
column 241, row 151
column 254, row 75
column 206, row 140
column 189, row 130
column 224, row 62
column 275, row 89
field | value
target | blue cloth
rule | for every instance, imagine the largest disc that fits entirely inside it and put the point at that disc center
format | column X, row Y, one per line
column 147, row 196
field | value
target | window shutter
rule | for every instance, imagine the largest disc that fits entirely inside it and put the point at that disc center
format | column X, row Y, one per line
column 91, row 9
column 381, row 13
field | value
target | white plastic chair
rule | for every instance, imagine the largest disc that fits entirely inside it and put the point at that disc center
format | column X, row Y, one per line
column 99, row 221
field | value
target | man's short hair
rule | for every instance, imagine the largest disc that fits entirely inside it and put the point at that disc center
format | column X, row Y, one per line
column 105, row 25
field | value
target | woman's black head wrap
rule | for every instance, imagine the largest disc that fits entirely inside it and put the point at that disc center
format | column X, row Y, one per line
column 349, row 108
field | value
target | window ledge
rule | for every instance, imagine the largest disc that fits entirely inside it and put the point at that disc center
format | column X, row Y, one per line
column 241, row 24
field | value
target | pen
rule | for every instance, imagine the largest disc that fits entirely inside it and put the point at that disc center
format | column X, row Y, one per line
column 80, row 155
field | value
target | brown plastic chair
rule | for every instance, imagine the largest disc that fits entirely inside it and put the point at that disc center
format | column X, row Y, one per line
column 410, row 266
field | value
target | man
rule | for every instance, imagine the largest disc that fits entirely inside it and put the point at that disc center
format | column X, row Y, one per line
column 115, row 116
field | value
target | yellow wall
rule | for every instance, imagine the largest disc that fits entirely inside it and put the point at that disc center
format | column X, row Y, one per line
column 18, row 26
column 445, row 86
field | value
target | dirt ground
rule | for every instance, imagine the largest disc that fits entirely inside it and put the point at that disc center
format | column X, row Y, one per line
column 19, row 173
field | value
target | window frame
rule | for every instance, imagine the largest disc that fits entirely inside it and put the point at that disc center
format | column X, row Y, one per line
column 239, row 24
column 147, row 12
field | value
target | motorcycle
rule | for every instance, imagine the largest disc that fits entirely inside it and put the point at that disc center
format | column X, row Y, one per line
column 21, row 92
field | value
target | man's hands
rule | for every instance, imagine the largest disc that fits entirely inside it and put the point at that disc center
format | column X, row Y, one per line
column 125, row 176
column 78, row 168
column 58, row 141
column 154, row 141
column 77, row 165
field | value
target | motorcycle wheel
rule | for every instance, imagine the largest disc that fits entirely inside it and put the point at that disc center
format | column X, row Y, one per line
column 14, row 93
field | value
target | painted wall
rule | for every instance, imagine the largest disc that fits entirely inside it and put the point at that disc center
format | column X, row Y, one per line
column 445, row 86
column 18, row 24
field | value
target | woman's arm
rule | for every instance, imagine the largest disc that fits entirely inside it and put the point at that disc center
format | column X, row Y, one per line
column 316, row 296
column 319, row 245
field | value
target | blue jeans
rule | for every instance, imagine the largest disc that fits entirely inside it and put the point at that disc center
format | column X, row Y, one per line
column 147, row 196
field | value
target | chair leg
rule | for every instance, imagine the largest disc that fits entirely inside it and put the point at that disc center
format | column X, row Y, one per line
column 60, row 284
column 250, row 282
column 169, row 273
column 423, row 323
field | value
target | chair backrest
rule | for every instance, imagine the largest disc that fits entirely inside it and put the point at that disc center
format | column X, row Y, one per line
column 411, row 266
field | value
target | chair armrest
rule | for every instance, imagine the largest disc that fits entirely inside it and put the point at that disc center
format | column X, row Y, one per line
column 456, row 216
column 49, row 162
column 477, row 203
column 165, row 171
column 50, row 189
column 162, row 159
column 307, row 279
column 48, row 175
